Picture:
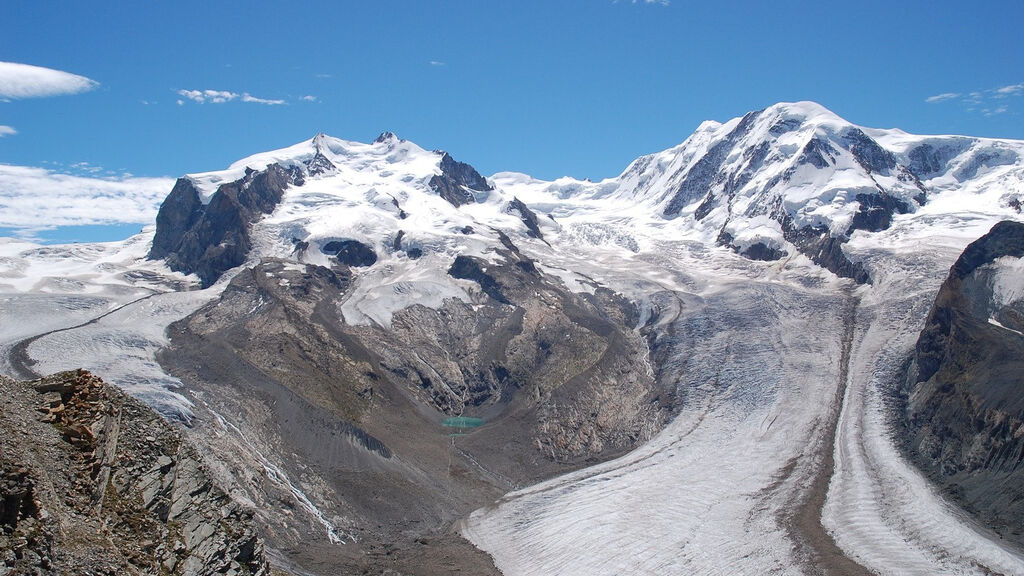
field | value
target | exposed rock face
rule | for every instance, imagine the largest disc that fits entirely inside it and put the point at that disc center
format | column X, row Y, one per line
column 207, row 240
column 528, row 217
column 457, row 180
column 470, row 268
column 868, row 153
column 351, row 252
column 178, row 214
column 559, row 379
column 876, row 211
column 964, row 411
column 319, row 164
column 94, row 482
column 927, row 160
column 826, row 251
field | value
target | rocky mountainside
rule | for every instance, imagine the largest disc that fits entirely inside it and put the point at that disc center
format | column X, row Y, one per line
column 554, row 380
column 95, row 482
column 964, row 414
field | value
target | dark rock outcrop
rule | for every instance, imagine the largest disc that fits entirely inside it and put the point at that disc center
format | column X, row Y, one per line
column 761, row 251
column 178, row 214
column 95, row 482
column 876, row 211
column 818, row 153
column 927, row 160
column 756, row 251
column 351, row 252
column 528, row 217
column 868, row 153
column 825, row 250
column 457, row 180
column 470, row 268
column 208, row 240
column 963, row 406
column 319, row 164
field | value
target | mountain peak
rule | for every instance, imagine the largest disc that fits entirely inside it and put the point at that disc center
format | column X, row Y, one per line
column 386, row 137
column 319, row 140
column 805, row 110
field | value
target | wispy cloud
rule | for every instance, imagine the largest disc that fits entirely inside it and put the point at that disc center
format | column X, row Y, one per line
column 659, row 2
column 942, row 97
column 309, row 98
column 323, row 75
column 988, row 102
column 1011, row 90
column 26, row 81
column 7, row 131
column 37, row 198
column 246, row 97
column 222, row 96
column 437, row 63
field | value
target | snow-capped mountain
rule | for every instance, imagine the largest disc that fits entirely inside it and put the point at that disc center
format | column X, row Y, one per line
column 790, row 179
column 795, row 177
column 687, row 368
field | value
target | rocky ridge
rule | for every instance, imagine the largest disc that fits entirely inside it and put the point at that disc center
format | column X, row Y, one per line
column 95, row 482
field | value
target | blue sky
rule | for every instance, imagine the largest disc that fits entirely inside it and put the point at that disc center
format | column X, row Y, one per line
column 550, row 88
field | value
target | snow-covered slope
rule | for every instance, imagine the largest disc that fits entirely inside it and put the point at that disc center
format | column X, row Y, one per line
column 773, row 176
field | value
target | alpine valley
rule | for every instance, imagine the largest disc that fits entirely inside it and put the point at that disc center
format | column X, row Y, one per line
column 788, row 345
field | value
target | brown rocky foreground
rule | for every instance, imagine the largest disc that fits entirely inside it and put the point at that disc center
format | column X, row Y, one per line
column 95, row 482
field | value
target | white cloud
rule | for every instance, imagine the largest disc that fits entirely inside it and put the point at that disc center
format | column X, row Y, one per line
column 309, row 98
column 26, row 81
column 437, row 63
column 7, row 131
column 222, row 96
column 988, row 102
column 36, row 198
column 1011, row 90
column 247, row 98
column 941, row 97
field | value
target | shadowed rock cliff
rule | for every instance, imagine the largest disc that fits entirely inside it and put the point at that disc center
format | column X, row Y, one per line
column 964, row 412
column 207, row 240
